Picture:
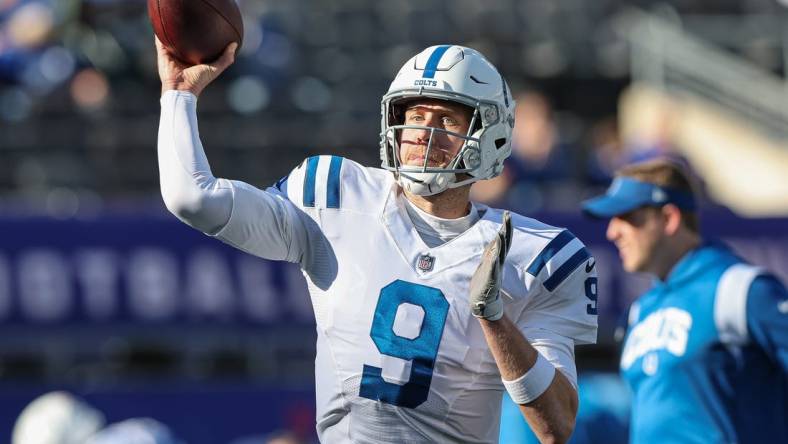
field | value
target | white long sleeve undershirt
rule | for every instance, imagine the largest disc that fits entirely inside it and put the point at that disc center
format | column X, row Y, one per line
column 189, row 189
column 240, row 214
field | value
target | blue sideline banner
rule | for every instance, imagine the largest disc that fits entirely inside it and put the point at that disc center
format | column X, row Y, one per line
column 155, row 270
column 148, row 270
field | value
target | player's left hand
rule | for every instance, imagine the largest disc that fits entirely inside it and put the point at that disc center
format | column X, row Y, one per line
column 485, row 293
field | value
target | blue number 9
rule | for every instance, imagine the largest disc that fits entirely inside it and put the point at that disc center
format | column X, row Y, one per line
column 591, row 293
column 421, row 350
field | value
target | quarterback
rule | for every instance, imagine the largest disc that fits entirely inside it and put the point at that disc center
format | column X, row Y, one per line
column 427, row 305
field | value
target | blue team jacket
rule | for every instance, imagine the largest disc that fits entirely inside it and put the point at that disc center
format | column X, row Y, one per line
column 706, row 354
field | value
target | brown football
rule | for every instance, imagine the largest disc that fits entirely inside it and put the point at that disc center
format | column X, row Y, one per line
column 196, row 31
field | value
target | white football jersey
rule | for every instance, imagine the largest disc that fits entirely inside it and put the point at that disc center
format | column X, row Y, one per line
column 400, row 358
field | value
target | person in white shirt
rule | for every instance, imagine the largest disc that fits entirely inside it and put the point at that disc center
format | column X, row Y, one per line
column 422, row 317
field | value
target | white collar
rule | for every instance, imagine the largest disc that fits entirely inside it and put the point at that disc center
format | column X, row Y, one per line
column 437, row 230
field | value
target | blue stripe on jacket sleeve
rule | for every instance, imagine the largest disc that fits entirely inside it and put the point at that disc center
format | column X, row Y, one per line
column 332, row 191
column 566, row 269
column 767, row 310
column 549, row 251
column 309, row 181
column 432, row 62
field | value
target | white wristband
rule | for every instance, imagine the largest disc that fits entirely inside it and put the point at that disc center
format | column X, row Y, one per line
column 533, row 383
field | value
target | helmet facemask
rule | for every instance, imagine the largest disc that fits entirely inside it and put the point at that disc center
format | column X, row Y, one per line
column 424, row 179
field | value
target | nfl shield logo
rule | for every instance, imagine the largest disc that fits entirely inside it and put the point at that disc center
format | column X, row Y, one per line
column 426, row 262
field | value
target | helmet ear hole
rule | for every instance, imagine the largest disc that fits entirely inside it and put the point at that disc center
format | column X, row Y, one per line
column 471, row 158
column 499, row 143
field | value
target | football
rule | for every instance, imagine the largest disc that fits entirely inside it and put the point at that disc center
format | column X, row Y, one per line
column 196, row 31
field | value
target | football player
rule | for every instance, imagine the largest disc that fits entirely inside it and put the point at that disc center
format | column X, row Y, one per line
column 427, row 305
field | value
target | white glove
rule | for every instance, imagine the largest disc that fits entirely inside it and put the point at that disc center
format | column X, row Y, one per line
column 485, row 288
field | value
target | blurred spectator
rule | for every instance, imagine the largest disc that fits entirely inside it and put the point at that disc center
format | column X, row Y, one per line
column 541, row 165
column 493, row 192
column 134, row 431
column 538, row 154
column 61, row 418
column 606, row 152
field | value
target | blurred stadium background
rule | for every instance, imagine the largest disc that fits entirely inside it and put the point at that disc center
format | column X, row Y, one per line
column 105, row 295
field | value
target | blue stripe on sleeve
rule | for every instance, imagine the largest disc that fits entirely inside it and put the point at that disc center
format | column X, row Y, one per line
column 309, row 181
column 432, row 62
column 332, row 192
column 549, row 251
column 566, row 269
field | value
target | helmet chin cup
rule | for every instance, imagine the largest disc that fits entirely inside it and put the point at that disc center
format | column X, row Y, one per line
column 425, row 184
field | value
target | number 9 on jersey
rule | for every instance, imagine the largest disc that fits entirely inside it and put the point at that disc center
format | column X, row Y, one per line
column 421, row 350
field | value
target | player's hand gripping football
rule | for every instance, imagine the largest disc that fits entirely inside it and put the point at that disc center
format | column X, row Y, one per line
column 485, row 293
column 175, row 74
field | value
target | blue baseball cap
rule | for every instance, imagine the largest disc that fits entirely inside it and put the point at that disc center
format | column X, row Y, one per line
column 626, row 194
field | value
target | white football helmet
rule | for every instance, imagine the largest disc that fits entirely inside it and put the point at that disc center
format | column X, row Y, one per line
column 57, row 418
column 456, row 74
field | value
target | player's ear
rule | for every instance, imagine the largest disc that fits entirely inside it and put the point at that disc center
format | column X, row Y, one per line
column 671, row 216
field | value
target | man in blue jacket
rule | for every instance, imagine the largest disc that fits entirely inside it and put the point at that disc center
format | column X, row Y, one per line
column 706, row 351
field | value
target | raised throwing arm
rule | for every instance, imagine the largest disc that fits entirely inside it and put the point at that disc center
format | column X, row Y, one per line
column 259, row 222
